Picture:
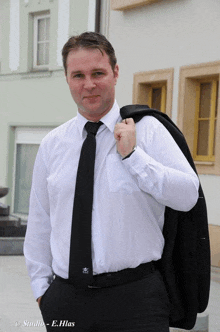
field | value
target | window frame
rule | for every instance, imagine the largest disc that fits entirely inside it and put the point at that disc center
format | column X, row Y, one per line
column 36, row 18
column 189, row 78
column 129, row 4
column 212, row 118
column 25, row 135
column 146, row 81
column 163, row 87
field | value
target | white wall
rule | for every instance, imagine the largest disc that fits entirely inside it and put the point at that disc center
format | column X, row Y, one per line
column 34, row 98
column 30, row 102
column 163, row 35
column 169, row 33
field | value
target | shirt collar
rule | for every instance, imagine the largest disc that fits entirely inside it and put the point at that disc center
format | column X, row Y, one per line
column 110, row 119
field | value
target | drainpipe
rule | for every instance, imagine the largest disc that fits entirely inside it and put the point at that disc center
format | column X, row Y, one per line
column 97, row 15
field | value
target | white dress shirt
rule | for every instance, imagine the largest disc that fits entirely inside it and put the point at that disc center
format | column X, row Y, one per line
column 130, row 196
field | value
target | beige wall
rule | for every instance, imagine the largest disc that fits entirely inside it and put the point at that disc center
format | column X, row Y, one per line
column 214, row 232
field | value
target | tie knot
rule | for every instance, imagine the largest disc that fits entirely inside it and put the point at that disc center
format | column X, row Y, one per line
column 92, row 127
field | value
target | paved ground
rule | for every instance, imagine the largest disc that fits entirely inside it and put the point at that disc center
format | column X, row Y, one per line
column 19, row 311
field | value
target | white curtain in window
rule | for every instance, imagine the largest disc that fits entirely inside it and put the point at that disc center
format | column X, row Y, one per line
column 25, row 157
column 27, row 141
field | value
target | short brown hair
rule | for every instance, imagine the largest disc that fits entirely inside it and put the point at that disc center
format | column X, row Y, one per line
column 89, row 40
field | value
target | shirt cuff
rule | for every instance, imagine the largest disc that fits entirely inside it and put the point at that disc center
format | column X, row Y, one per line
column 40, row 286
column 129, row 154
column 137, row 161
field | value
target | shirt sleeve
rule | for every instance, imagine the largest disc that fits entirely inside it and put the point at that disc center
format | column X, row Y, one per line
column 37, row 240
column 161, row 169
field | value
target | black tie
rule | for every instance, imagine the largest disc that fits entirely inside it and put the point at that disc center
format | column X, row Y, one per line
column 80, row 266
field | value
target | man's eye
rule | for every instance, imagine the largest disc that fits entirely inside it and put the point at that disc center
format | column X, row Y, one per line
column 98, row 73
column 77, row 76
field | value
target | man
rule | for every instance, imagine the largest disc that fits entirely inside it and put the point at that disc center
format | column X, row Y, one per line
column 139, row 170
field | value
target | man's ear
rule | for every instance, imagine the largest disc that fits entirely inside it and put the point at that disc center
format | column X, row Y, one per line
column 116, row 72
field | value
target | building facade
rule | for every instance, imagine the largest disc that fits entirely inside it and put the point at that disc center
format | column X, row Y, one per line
column 169, row 58
column 34, row 96
column 168, row 54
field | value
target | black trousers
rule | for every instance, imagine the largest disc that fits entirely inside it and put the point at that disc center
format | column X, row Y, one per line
column 139, row 306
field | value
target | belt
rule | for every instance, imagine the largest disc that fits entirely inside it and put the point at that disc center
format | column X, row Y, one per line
column 119, row 278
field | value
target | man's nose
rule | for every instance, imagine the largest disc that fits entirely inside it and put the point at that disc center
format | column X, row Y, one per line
column 89, row 83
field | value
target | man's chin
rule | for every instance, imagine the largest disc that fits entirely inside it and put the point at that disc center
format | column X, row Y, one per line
column 93, row 113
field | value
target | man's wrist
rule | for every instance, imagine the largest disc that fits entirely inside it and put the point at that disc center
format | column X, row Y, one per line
column 129, row 153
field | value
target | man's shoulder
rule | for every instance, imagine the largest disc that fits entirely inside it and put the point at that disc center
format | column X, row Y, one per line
column 143, row 114
column 149, row 122
column 149, row 117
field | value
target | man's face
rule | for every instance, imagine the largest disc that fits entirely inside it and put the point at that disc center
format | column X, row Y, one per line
column 91, row 81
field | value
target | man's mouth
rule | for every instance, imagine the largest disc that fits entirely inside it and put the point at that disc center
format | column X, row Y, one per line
column 91, row 97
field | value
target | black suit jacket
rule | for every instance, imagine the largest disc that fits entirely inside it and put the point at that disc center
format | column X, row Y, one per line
column 185, row 263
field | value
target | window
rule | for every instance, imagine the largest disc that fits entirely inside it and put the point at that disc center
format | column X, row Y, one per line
column 157, row 96
column 25, row 156
column 27, row 141
column 41, row 41
column 154, row 88
column 205, row 120
column 198, row 114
